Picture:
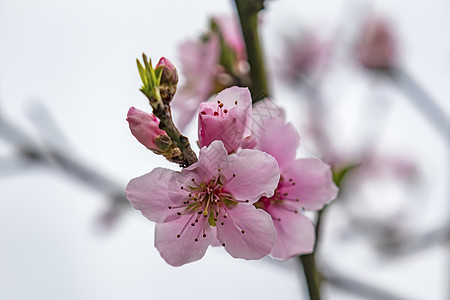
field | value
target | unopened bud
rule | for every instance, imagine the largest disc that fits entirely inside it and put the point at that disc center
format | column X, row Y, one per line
column 169, row 79
column 145, row 128
column 377, row 46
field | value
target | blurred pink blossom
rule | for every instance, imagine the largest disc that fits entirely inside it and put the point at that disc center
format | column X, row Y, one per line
column 201, row 65
column 376, row 47
column 231, row 30
column 302, row 56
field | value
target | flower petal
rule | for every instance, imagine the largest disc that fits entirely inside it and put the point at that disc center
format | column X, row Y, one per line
column 185, row 249
column 211, row 159
column 230, row 96
column 313, row 180
column 150, row 193
column 229, row 130
column 295, row 233
column 251, row 174
column 198, row 62
column 259, row 233
column 278, row 139
column 214, row 241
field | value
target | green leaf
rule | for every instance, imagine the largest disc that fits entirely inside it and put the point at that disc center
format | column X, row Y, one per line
column 158, row 74
column 339, row 175
column 142, row 73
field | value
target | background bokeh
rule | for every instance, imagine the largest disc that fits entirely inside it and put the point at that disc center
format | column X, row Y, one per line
column 76, row 59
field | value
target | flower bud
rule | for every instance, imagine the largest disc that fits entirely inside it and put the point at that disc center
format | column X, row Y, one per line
column 169, row 79
column 145, row 129
column 377, row 46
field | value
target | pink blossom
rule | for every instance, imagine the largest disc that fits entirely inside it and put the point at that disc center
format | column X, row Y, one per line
column 304, row 184
column 231, row 30
column 377, row 45
column 199, row 60
column 144, row 127
column 227, row 118
column 216, row 194
column 204, row 75
column 303, row 55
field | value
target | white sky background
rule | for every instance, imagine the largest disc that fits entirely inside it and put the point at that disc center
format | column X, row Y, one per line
column 78, row 59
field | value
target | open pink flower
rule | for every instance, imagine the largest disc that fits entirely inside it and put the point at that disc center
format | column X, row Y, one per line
column 218, row 191
column 228, row 117
column 144, row 127
column 304, row 184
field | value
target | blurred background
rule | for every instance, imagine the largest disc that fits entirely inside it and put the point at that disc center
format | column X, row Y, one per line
column 68, row 76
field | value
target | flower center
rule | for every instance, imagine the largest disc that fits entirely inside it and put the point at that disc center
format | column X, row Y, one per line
column 207, row 204
column 280, row 199
column 221, row 110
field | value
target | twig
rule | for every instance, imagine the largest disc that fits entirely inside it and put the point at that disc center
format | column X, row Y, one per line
column 54, row 157
column 358, row 287
column 313, row 279
column 423, row 101
column 151, row 81
column 248, row 16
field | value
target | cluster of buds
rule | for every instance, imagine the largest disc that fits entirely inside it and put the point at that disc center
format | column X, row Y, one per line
column 157, row 131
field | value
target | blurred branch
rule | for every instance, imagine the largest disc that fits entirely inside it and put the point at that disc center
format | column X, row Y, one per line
column 423, row 101
column 248, row 16
column 355, row 286
column 53, row 155
column 391, row 240
column 47, row 126
column 10, row 164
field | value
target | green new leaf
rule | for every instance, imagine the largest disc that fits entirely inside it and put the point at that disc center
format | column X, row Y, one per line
column 142, row 73
column 340, row 174
column 158, row 73
column 150, row 79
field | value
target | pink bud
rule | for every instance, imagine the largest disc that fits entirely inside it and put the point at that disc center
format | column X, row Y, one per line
column 169, row 72
column 377, row 46
column 169, row 79
column 165, row 63
column 226, row 118
column 144, row 127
